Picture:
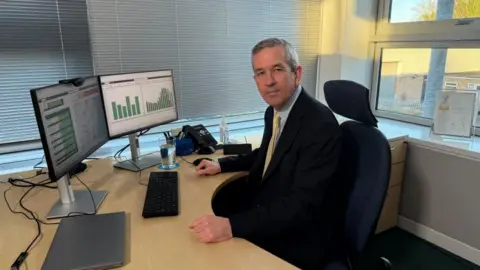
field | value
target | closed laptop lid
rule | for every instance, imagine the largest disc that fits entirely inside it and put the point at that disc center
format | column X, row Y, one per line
column 88, row 242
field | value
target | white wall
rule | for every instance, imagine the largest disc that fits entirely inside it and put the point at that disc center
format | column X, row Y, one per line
column 345, row 52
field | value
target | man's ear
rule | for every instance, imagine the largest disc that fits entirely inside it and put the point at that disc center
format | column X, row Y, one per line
column 298, row 75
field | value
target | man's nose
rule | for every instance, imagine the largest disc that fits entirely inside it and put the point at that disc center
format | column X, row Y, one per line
column 270, row 80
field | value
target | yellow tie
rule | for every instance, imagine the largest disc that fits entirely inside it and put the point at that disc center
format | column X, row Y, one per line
column 273, row 140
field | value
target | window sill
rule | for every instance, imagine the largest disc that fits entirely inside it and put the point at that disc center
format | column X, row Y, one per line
column 251, row 127
column 239, row 126
column 422, row 135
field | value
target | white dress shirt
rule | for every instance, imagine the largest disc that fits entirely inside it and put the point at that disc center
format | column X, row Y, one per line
column 285, row 110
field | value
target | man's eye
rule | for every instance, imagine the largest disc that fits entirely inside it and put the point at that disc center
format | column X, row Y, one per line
column 260, row 73
column 278, row 69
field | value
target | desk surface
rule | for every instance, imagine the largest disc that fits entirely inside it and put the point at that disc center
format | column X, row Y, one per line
column 153, row 243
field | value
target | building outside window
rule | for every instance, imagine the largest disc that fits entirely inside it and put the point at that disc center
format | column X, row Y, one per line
column 422, row 47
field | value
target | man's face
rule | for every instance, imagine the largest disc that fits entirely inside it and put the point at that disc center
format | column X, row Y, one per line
column 274, row 78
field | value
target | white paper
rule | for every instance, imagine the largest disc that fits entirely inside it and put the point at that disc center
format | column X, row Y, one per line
column 454, row 113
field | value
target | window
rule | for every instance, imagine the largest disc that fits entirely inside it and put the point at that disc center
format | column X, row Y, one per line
column 474, row 86
column 451, row 85
column 403, row 90
column 420, row 48
column 41, row 42
column 427, row 19
column 403, row 11
column 206, row 43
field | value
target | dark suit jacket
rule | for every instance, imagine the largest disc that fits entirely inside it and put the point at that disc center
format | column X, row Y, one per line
column 288, row 211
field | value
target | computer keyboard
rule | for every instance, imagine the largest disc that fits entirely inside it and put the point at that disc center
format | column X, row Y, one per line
column 162, row 195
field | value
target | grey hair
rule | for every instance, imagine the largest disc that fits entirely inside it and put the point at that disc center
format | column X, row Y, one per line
column 290, row 52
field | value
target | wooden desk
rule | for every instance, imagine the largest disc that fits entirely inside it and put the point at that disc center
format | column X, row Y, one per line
column 157, row 243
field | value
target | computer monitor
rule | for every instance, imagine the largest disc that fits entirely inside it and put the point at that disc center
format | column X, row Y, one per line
column 137, row 101
column 71, row 122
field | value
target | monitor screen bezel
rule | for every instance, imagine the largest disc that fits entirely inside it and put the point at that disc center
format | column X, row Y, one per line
column 52, row 173
column 146, row 127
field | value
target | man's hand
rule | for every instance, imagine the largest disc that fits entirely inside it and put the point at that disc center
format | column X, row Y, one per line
column 211, row 229
column 207, row 167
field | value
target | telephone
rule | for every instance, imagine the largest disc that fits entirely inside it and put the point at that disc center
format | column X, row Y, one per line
column 200, row 136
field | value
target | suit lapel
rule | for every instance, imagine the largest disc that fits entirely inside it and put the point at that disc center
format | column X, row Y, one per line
column 287, row 136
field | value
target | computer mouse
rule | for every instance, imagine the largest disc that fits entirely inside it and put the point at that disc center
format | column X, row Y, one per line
column 206, row 150
column 197, row 161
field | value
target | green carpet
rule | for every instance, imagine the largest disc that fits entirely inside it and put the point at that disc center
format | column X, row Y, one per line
column 409, row 252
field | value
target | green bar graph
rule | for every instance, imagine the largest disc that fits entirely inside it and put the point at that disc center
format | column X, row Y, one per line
column 129, row 109
column 137, row 103
column 115, row 114
column 119, row 108
column 164, row 101
column 121, row 111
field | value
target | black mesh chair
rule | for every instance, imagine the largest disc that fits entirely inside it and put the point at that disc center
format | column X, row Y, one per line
column 364, row 169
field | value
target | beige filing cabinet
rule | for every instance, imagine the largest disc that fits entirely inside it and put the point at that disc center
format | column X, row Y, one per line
column 389, row 216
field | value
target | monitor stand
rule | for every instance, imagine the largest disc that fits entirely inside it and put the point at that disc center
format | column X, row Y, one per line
column 74, row 202
column 138, row 163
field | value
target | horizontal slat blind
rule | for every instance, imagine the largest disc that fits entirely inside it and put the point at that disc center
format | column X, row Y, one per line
column 207, row 44
column 32, row 55
column 75, row 37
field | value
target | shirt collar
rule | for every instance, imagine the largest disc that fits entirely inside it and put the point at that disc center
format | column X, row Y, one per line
column 285, row 110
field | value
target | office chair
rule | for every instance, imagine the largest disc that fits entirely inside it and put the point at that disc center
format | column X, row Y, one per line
column 364, row 169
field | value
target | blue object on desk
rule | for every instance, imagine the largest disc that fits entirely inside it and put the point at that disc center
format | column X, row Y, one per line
column 167, row 168
column 184, row 147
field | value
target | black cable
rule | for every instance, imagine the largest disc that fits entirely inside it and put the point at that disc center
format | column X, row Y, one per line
column 186, row 160
column 26, row 183
column 140, row 179
column 133, row 163
column 26, row 209
column 143, row 132
column 23, row 255
column 39, row 228
column 40, row 162
column 24, row 178
column 119, row 152
column 91, row 196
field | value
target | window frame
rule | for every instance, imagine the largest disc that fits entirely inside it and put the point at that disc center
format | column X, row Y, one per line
column 453, row 85
column 422, row 34
column 453, row 29
column 250, row 120
column 379, row 46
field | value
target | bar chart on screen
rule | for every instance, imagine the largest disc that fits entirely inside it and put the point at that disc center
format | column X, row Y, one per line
column 165, row 100
column 158, row 96
column 126, row 109
column 123, row 103
column 128, row 101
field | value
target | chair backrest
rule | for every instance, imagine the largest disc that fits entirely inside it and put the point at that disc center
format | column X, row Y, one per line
column 364, row 168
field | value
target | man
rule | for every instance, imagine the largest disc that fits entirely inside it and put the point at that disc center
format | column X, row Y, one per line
column 282, row 205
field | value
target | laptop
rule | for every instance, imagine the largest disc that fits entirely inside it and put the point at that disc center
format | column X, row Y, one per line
column 88, row 242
